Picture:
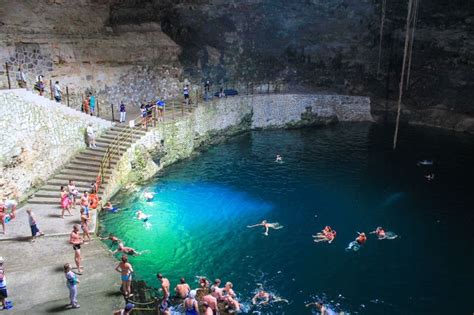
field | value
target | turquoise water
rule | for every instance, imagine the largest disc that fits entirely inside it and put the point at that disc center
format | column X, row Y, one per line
column 345, row 176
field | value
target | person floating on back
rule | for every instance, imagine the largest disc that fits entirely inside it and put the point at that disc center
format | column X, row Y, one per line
column 267, row 226
column 326, row 235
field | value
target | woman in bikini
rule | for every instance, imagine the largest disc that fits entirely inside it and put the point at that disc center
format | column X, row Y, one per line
column 125, row 269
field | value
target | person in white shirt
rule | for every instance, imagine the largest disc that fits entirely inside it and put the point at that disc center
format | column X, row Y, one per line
column 91, row 136
column 57, row 92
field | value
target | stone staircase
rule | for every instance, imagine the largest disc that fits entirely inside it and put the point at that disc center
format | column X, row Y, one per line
column 84, row 167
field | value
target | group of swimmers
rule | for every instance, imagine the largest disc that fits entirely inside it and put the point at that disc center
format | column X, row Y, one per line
column 328, row 235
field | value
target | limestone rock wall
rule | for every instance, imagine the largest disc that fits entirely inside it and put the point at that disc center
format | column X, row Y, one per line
column 72, row 42
column 37, row 139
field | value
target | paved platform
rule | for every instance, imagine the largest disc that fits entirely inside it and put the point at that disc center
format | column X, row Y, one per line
column 36, row 282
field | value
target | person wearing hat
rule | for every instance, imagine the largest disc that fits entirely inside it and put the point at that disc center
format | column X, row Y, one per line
column 190, row 304
column 126, row 310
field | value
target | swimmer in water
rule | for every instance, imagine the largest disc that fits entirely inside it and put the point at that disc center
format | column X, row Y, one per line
column 425, row 163
column 267, row 225
column 326, row 235
column 148, row 195
column 108, row 206
column 382, row 235
column 141, row 216
column 262, row 298
column 430, row 177
column 126, row 250
column 379, row 231
column 278, row 158
column 111, row 237
column 361, row 239
column 322, row 308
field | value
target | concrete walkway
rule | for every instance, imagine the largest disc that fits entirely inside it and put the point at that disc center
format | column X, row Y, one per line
column 36, row 282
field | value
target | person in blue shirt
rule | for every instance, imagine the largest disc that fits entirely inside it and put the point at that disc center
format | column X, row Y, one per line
column 160, row 105
column 123, row 112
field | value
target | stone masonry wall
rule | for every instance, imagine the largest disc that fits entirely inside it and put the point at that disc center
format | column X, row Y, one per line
column 176, row 140
column 37, row 139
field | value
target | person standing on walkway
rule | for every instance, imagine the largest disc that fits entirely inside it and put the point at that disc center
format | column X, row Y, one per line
column 33, row 225
column 186, row 94
column 3, row 285
column 125, row 269
column 91, row 135
column 92, row 104
column 160, row 106
column 21, row 78
column 85, row 105
column 39, row 86
column 85, row 226
column 123, row 112
column 57, row 92
column 76, row 240
column 71, row 283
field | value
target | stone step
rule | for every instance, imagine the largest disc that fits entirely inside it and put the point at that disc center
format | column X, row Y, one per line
column 56, row 195
column 80, row 170
column 107, row 141
column 104, row 148
column 88, row 162
column 46, row 201
column 113, row 137
column 88, row 166
column 80, row 184
column 122, row 128
column 80, row 177
column 55, row 187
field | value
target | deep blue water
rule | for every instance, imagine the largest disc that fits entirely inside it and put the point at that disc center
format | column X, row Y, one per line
column 345, row 176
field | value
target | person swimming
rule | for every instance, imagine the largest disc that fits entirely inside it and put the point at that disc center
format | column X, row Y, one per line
column 430, row 177
column 148, row 196
column 126, row 250
column 142, row 217
column 278, row 158
column 357, row 243
column 323, row 309
column 111, row 237
column 425, row 163
column 326, row 235
column 267, row 226
column 379, row 231
column 108, row 206
column 361, row 239
column 263, row 298
column 382, row 235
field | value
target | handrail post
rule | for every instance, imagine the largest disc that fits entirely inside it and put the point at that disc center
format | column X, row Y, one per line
column 51, row 89
column 112, row 110
column 8, row 76
column 97, row 105
column 182, row 109
column 173, row 109
column 67, row 95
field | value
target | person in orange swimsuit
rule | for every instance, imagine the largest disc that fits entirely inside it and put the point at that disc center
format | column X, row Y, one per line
column 361, row 239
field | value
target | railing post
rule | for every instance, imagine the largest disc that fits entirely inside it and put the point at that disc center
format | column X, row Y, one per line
column 182, row 109
column 112, row 110
column 8, row 75
column 172, row 110
column 51, row 89
column 67, row 95
column 97, row 105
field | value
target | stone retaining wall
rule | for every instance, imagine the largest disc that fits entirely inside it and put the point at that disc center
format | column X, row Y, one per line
column 176, row 140
column 37, row 139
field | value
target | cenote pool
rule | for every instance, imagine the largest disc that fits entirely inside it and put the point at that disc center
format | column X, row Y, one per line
column 345, row 176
